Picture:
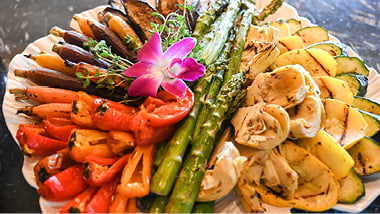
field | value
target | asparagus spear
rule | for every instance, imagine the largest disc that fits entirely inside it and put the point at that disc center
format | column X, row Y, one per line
column 163, row 180
column 204, row 207
column 268, row 10
column 208, row 17
column 187, row 184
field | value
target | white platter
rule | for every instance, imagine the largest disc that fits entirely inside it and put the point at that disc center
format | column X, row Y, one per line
column 228, row 204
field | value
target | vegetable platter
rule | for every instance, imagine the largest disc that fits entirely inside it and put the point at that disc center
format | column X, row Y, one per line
column 228, row 204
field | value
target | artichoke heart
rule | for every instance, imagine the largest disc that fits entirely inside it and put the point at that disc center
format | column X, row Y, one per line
column 261, row 126
column 285, row 86
column 260, row 50
column 306, row 118
column 222, row 173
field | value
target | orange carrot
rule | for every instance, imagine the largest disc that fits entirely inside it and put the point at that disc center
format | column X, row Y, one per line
column 46, row 110
column 84, row 27
column 44, row 94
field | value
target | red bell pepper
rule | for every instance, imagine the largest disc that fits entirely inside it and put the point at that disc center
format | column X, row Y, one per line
column 38, row 128
column 112, row 116
column 35, row 143
column 102, row 200
column 59, row 127
column 64, row 185
column 135, row 179
column 79, row 203
column 167, row 109
column 121, row 142
column 81, row 110
column 97, row 174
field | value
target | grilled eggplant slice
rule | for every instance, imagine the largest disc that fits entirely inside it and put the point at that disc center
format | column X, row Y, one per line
column 139, row 13
column 168, row 6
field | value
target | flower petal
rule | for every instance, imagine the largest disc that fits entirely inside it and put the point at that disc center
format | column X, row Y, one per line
column 189, row 69
column 181, row 49
column 151, row 51
column 146, row 85
column 139, row 69
column 175, row 86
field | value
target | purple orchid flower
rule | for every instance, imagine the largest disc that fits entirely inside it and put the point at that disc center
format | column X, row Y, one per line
column 167, row 69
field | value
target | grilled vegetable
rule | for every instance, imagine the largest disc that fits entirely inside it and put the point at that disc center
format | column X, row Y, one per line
column 312, row 35
column 83, row 25
column 334, row 88
column 318, row 62
column 289, row 43
column 140, row 14
column 351, row 188
column 70, row 36
column 282, row 27
column 44, row 94
column 52, row 62
column 366, row 104
column 327, row 150
column 358, row 83
column 77, row 54
column 346, row 125
column 284, row 86
column 349, row 64
column 261, row 126
column 47, row 110
column 333, row 48
column 294, row 25
column 102, row 32
column 373, row 121
column 168, row 6
column 366, row 156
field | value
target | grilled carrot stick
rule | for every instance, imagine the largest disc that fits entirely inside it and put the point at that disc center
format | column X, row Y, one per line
column 47, row 110
column 48, row 77
column 77, row 54
column 70, row 36
column 51, row 61
column 123, row 30
column 43, row 94
column 84, row 27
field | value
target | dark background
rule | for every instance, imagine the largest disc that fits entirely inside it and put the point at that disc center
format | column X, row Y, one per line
column 354, row 22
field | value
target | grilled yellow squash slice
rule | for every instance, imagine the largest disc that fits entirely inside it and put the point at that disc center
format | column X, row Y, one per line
column 334, row 88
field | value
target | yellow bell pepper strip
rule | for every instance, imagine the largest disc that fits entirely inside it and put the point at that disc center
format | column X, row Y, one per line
column 135, row 179
column 87, row 142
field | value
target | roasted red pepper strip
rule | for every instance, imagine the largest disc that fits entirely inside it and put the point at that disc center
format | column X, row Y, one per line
column 101, row 160
column 37, row 144
column 51, row 165
column 39, row 128
column 64, row 185
column 112, row 116
column 97, row 174
column 167, row 109
column 81, row 110
column 79, row 203
column 59, row 128
column 102, row 200
column 135, row 180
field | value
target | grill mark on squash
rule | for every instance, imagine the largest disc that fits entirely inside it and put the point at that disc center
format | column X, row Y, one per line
column 320, row 65
column 283, row 44
column 327, row 88
column 346, row 114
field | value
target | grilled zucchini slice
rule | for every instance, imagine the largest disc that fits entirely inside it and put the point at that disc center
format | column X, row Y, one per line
column 344, row 123
column 358, row 83
column 366, row 154
column 294, row 25
column 373, row 121
column 351, row 64
column 318, row 62
column 351, row 188
column 312, row 34
column 333, row 48
column 366, row 104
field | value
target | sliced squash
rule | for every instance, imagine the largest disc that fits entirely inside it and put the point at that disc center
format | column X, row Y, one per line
column 366, row 155
column 327, row 150
column 312, row 34
column 294, row 25
column 318, row 188
column 366, row 104
column 334, row 88
column 373, row 121
column 333, row 48
column 318, row 62
column 351, row 188
column 358, row 83
column 289, row 43
column 351, row 64
column 282, row 26
column 346, row 125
